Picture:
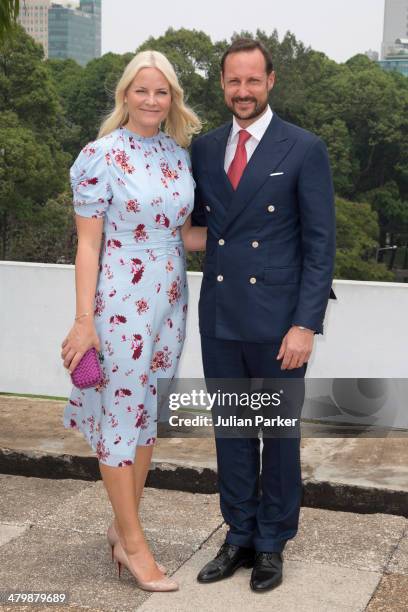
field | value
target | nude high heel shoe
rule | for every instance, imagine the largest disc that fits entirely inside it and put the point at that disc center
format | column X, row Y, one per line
column 163, row 584
column 113, row 537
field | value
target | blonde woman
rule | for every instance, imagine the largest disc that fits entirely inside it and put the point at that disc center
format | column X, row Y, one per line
column 134, row 185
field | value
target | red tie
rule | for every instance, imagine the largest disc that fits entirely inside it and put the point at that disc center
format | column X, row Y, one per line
column 239, row 162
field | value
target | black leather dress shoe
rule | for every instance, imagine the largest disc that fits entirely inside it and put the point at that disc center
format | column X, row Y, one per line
column 267, row 572
column 227, row 560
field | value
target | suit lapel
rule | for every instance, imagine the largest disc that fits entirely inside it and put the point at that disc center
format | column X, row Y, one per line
column 270, row 152
column 215, row 163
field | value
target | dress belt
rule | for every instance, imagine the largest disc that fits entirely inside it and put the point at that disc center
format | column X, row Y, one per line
column 144, row 240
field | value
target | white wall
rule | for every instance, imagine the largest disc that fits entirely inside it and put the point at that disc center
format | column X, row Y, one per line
column 366, row 330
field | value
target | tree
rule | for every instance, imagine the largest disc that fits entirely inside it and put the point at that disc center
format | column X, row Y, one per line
column 360, row 111
column 9, row 10
column 33, row 165
column 391, row 209
column 28, row 176
column 357, row 241
column 93, row 94
column 196, row 61
column 66, row 76
column 48, row 235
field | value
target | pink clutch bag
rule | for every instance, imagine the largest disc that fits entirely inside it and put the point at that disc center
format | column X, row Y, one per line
column 88, row 372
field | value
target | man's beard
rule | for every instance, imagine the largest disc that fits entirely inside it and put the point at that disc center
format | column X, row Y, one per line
column 258, row 110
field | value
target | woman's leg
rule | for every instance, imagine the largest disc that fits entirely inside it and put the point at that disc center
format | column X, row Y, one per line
column 121, row 488
column 141, row 469
column 141, row 466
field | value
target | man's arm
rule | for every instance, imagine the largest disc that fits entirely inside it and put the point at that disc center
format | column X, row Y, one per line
column 198, row 214
column 318, row 232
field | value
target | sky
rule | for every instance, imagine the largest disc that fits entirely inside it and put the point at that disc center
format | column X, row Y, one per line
column 339, row 28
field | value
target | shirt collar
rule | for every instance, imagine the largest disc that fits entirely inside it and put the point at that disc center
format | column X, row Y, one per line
column 257, row 129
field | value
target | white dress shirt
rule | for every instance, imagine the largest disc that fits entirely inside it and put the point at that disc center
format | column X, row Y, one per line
column 257, row 129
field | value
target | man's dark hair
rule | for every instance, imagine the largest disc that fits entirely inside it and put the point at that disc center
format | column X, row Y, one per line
column 248, row 44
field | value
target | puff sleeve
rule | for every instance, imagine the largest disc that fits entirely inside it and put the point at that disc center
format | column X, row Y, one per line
column 90, row 182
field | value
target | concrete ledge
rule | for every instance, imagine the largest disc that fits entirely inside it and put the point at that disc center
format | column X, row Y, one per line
column 364, row 475
column 354, row 498
column 316, row 494
column 161, row 475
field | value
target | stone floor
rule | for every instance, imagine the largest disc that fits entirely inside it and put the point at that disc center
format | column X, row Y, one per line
column 52, row 538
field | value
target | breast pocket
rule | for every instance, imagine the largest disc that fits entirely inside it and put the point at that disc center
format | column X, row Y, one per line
column 281, row 185
column 289, row 275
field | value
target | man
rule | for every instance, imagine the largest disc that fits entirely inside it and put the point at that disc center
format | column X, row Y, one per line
column 264, row 189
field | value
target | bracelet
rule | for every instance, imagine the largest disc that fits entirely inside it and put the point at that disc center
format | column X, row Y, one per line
column 85, row 314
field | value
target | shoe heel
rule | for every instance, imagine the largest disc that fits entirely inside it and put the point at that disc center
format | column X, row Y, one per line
column 119, row 568
column 111, row 545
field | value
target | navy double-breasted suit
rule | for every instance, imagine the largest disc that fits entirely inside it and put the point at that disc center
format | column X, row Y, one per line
column 268, row 265
column 271, row 243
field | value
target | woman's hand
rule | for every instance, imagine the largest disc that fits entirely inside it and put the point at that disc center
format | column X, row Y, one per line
column 81, row 337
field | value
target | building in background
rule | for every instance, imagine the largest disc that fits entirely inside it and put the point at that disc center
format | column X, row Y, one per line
column 395, row 25
column 94, row 8
column 397, row 60
column 75, row 32
column 34, row 19
column 64, row 28
column 394, row 48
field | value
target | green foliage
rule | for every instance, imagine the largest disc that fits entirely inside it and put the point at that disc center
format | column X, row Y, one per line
column 49, row 230
column 362, row 113
column 26, row 86
column 33, row 165
column 51, row 108
column 66, row 76
column 9, row 10
column 93, row 93
column 195, row 261
column 356, row 236
column 196, row 61
column 392, row 210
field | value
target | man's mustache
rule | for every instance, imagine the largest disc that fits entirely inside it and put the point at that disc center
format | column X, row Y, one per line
column 244, row 100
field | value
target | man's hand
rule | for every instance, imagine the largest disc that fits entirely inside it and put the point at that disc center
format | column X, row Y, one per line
column 296, row 348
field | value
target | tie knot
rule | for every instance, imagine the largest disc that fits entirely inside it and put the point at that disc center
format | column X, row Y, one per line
column 243, row 136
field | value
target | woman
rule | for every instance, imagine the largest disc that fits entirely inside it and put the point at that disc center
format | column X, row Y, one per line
column 134, row 185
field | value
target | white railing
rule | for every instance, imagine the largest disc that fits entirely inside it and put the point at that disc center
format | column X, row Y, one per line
column 365, row 336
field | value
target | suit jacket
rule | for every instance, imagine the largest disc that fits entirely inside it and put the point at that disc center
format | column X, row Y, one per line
column 271, row 243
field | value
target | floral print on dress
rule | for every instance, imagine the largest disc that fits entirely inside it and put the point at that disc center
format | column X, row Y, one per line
column 144, row 191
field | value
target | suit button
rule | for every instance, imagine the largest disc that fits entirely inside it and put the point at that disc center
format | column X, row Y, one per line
column 220, row 278
column 271, row 208
column 221, row 241
column 255, row 244
column 252, row 280
column 207, row 208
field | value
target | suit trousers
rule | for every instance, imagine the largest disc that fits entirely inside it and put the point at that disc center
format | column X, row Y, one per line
column 260, row 505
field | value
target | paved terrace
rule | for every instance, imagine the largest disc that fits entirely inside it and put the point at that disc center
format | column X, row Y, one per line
column 52, row 538
column 351, row 553
column 52, row 529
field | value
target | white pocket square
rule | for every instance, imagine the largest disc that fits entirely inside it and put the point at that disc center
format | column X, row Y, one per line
column 276, row 173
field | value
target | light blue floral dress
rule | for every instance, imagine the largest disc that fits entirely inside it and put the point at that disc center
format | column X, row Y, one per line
column 144, row 189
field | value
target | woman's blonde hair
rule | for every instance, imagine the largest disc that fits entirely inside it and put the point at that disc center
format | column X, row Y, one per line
column 181, row 122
